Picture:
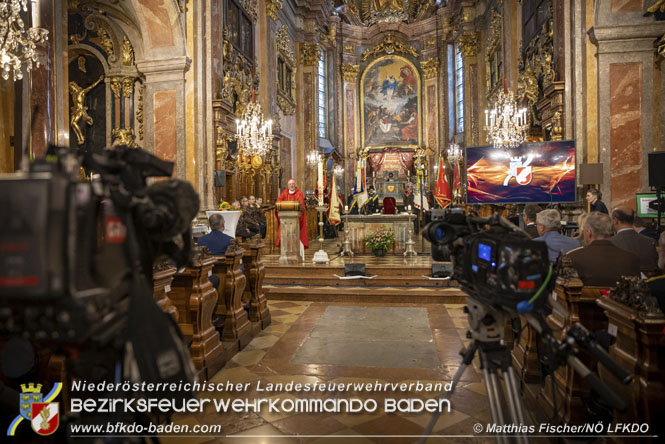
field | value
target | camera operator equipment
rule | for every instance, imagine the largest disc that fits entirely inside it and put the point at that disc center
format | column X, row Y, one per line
column 505, row 274
column 77, row 258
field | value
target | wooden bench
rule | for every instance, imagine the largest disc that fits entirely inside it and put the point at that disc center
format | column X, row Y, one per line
column 255, row 272
column 639, row 349
column 195, row 299
column 162, row 277
column 236, row 327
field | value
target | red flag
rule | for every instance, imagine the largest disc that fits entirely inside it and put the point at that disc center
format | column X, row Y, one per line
column 442, row 188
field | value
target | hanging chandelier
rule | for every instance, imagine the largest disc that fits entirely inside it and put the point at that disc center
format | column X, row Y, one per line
column 454, row 153
column 254, row 135
column 313, row 158
column 338, row 170
column 17, row 45
column 506, row 124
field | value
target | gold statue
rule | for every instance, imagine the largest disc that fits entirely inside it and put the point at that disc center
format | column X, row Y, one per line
column 79, row 110
column 381, row 5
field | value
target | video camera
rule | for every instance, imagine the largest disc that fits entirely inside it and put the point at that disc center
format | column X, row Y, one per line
column 63, row 242
column 493, row 260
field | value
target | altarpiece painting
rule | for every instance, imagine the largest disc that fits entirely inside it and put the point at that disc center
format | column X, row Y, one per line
column 390, row 103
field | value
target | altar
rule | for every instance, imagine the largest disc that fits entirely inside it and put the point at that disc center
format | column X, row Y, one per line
column 391, row 189
column 360, row 226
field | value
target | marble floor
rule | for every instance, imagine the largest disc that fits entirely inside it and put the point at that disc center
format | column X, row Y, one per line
column 315, row 342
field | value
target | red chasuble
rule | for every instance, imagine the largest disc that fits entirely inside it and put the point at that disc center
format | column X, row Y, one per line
column 303, row 220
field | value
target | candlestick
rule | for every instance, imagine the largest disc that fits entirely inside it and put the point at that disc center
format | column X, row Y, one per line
column 320, row 180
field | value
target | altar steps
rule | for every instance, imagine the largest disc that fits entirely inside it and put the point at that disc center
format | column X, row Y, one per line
column 411, row 295
column 396, row 281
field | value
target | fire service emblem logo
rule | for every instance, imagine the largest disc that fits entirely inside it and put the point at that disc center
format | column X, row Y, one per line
column 43, row 414
column 521, row 171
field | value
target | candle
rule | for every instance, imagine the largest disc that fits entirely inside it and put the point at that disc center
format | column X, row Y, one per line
column 408, row 208
column 346, row 208
column 320, row 181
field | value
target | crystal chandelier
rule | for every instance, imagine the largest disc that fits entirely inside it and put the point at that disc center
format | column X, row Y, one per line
column 506, row 125
column 16, row 44
column 254, row 134
column 454, row 153
column 313, row 158
column 338, row 170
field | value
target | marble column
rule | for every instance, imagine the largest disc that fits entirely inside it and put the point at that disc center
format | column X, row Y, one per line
column 625, row 54
column 470, row 45
column 349, row 106
column 165, row 109
column 48, row 108
column 309, row 55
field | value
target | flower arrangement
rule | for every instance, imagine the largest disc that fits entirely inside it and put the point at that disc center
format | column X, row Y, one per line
column 380, row 239
column 225, row 206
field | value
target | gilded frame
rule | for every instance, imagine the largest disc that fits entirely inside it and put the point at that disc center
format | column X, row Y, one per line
column 418, row 95
column 286, row 54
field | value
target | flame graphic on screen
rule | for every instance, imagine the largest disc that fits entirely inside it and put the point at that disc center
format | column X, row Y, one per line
column 486, row 181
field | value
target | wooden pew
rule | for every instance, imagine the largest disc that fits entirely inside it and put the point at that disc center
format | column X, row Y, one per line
column 195, row 299
column 236, row 331
column 162, row 277
column 580, row 305
column 255, row 272
column 639, row 349
column 569, row 386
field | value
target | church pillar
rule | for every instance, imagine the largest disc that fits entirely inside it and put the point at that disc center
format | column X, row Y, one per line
column 199, row 93
column 309, row 54
column 470, row 46
column 349, row 105
column 430, row 69
column 46, row 116
column 164, row 101
column 626, row 84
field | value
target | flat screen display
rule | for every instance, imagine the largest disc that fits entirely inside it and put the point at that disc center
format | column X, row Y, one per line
column 485, row 252
column 532, row 172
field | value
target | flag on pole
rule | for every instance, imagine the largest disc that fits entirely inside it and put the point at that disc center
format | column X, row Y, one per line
column 333, row 210
column 359, row 189
column 457, row 181
column 442, row 188
column 419, row 197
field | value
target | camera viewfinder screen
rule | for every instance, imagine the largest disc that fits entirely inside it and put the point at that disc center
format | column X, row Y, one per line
column 485, row 252
column 532, row 172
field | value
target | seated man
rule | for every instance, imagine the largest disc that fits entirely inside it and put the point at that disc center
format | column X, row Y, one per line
column 601, row 263
column 216, row 241
column 372, row 204
column 627, row 239
column 248, row 226
column 529, row 216
column 261, row 216
column 548, row 223
column 645, row 229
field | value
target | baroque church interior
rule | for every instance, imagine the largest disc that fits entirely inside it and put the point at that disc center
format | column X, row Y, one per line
column 330, row 135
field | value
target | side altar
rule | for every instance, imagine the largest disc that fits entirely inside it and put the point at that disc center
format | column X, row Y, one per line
column 359, row 226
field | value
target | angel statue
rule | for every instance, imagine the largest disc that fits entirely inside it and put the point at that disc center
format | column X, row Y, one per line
column 79, row 110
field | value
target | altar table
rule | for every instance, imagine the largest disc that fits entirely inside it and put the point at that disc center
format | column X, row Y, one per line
column 360, row 226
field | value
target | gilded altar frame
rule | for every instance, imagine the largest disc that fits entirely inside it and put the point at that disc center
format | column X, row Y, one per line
column 418, row 95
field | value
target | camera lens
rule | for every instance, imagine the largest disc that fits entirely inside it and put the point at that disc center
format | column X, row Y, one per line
column 439, row 234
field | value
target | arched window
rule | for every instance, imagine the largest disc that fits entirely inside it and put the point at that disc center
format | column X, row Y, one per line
column 459, row 90
column 322, row 96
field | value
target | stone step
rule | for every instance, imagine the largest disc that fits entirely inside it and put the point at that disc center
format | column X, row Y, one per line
column 378, row 281
column 362, row 294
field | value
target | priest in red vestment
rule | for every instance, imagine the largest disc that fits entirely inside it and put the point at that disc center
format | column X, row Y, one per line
column 293, row 193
